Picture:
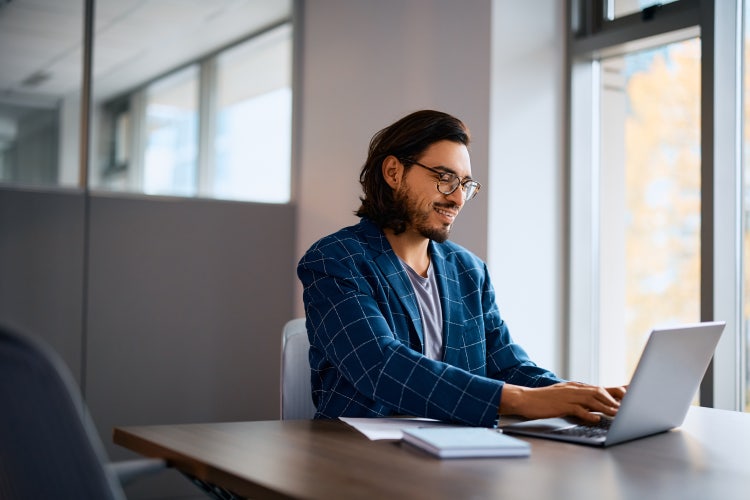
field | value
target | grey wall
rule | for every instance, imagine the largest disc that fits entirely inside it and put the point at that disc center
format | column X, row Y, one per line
column 187, row 299
column 366, row 64
column 41, row 267
column 527, row 210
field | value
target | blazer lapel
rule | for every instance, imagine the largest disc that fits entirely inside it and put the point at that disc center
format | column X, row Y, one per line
column 445, row 279
column 401, row 286
column 397, row 279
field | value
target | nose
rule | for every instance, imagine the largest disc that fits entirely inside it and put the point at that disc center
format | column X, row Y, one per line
column 457, row 196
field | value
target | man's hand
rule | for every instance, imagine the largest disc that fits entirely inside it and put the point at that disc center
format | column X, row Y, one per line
column 560, row 400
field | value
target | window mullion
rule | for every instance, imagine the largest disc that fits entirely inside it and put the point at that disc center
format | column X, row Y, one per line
column 722, row 163
column 206, row 127
column 138, row 145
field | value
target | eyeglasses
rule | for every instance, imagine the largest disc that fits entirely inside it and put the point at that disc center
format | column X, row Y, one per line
column 447, row 182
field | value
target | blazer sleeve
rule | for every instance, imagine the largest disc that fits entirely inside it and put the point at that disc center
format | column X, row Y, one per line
column 351, row 318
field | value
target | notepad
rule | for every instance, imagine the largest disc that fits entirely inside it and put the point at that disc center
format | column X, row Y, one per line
column 466, row 442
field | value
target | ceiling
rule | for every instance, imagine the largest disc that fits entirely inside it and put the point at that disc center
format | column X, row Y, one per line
column 134, row 41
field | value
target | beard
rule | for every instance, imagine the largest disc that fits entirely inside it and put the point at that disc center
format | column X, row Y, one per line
column 419, row 219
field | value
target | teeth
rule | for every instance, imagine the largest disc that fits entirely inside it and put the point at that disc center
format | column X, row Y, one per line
column 445, row 212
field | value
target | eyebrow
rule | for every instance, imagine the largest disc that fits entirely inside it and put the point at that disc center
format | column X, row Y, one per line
column 447, row 170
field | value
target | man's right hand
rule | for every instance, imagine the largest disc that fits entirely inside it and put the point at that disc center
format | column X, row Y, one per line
column 561, row 400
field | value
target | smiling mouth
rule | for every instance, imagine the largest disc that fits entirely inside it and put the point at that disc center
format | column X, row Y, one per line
column 450, row 214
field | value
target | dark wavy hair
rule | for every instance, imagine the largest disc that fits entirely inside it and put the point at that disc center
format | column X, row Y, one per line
column 406, row 139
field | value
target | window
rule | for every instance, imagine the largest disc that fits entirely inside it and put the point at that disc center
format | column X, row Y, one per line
column 170, row 150
column 650, row 182
column 620, row 8
column 220, row 128
column 40, row 95
column 252, row 144
column 29, row 139
column 657, row 219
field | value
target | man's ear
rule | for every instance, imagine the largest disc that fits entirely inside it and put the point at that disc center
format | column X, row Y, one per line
column 393, row 171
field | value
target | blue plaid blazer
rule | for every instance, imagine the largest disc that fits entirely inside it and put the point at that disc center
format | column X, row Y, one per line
column 365, row 333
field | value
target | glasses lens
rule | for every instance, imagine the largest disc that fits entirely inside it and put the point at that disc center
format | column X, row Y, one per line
column 448, row 183
column 470, row 190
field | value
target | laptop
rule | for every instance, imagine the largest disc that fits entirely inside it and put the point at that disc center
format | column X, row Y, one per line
column 660, row 393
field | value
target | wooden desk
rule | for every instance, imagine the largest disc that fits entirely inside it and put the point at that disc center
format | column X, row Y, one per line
column 707, row 458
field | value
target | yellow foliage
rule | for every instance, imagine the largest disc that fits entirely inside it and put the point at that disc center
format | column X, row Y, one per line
column 663, row 192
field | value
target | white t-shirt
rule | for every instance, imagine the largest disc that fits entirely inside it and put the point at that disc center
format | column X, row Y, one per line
column 428, row 298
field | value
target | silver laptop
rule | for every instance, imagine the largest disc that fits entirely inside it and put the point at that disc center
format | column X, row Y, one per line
column 665, row 381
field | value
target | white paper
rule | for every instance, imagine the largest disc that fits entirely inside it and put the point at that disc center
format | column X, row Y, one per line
column 389, row 428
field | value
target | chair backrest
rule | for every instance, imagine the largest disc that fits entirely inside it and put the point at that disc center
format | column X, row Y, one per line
column 296, row 395
column 48, row 445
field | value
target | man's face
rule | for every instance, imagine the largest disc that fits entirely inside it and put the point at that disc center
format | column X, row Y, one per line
column 431, row 213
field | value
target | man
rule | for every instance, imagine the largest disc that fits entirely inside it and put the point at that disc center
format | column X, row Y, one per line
column 402, row 321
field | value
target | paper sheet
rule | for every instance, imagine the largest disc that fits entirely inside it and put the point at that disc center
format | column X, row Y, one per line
column 389, row 428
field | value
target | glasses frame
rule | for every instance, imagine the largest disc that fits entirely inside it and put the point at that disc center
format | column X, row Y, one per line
column 462, row 182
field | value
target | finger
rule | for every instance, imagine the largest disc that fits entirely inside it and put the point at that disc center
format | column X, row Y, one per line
column 606, row 397
column 617, row 392
column 588, row 396
column 603, row 402
column 612, row 404
column 586, row 415
column 610, row 411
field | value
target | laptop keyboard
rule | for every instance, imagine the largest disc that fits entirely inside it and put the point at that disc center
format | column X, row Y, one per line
column 598, row 429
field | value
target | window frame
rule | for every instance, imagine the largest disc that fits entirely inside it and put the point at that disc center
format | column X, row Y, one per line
column 592, row 37
column 135, row 103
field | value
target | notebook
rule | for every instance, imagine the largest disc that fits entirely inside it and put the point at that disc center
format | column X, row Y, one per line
column 661, row 390
column 465, row 442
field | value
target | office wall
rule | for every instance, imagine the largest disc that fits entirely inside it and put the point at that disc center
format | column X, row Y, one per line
column 527, row 211
column 365, row 64
column 186, row 302
column 187, row 299
column 41, row 266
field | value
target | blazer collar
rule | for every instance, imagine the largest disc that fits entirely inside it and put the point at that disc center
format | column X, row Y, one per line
column 394, row 273
column 390, row 265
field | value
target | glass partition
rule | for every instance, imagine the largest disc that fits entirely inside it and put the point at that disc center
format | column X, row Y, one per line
column 171, row 134
column 40, row 89
column 253, row 120
column 198, row 104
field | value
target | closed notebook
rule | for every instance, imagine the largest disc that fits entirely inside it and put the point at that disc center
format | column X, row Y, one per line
column 466, row 442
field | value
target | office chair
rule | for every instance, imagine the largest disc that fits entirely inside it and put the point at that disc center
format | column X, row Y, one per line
column 296, row 395
column 48, row 445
